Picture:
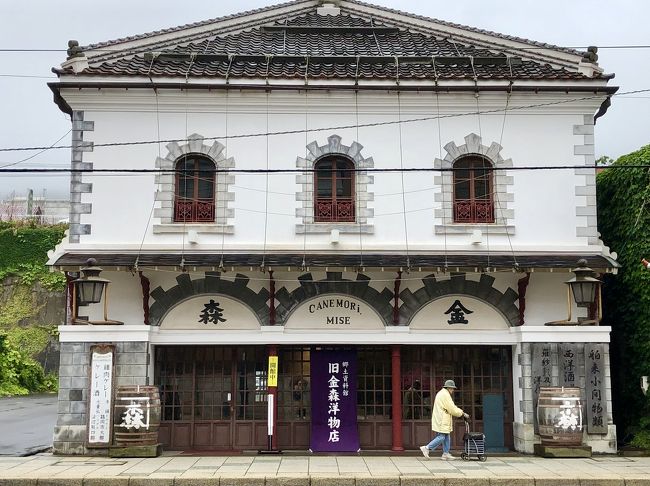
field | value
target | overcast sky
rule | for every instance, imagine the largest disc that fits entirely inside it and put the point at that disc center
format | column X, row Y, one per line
column 30, row 118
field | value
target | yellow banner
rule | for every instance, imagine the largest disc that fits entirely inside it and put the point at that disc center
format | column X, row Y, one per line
column 273, row 371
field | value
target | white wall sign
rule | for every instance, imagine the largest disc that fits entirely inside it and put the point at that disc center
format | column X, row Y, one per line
column 458, row 312
column 101, row 395
column 334, row 312
column 210, row 312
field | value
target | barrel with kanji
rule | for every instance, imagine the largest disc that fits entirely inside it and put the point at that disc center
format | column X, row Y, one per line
column 559, row 416
column 137, row 415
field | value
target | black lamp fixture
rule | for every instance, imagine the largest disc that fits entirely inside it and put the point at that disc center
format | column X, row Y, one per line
column 584, row 286
column 586, row 291
column 90, row 286
column 88, row 289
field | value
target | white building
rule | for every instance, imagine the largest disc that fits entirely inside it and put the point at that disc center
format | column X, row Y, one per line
column 40, row 208
column 303, row 182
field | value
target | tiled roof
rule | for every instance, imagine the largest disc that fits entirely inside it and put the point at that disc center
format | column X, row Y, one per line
column 330, row 47
column 526, row 261
column 468, row 28
column 188, row 26
column 297, row 2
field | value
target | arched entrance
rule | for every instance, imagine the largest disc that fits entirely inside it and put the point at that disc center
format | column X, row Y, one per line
column 213, row 397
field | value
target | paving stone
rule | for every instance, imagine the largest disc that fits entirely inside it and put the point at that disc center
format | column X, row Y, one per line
column 16, row 481
column 470, row 481
column 287, row 481
column 60, row 481
column 148, row 481
column 209, row 462
column 195, row 481
column 377, row 481
column 421, row 481
column 644, row 481
column 241, row 481
column 556, row 481
column 332, row 481
column 602, row 482
column 105, row 481
column 201, row 473
column 518, row 481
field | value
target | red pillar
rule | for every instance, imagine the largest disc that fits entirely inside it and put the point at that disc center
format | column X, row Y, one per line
column 396, row 370
column 273, row 390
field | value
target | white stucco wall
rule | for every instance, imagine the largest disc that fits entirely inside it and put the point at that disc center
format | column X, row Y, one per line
column 544, row 201
column 545, row 297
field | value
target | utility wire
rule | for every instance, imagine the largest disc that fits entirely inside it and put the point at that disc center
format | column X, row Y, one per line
column 331, row 128
column 303, row 170
column 37, row 153
column 530, row 48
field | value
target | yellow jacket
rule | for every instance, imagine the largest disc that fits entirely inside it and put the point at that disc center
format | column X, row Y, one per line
column 443, row 410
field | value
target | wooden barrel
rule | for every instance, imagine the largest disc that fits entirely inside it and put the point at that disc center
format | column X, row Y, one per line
column 559, row 416
column 136, row 417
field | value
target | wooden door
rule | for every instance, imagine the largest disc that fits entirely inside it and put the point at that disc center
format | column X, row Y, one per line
column 213, row 397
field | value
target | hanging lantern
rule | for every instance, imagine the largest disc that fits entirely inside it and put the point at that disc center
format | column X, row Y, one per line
column 583, row 286
column 586, row 292
column 88, row 289
column 90, row 286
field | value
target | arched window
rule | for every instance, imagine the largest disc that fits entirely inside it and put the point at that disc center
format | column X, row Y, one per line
column 194, row 190
column 473, row 188
column 334, row 195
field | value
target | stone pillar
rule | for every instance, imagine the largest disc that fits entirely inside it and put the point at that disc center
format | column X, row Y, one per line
column 131, row 368
column 524, row 429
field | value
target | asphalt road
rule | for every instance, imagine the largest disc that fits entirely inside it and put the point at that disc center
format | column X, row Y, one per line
column 26, row 424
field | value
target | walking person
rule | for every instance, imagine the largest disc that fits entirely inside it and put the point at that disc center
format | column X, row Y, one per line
column 444, row 409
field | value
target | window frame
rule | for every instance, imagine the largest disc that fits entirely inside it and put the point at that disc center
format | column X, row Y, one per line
column 342, row 208
column 202, row 210
column 481, row 209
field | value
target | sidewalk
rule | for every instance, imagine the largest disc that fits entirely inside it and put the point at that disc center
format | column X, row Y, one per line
column 179, row 470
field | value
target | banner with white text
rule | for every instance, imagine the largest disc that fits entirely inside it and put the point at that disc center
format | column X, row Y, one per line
column 334, row 401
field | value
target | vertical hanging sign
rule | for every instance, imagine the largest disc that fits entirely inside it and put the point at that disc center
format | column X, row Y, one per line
column 595, row 388
column 541, row 373
column 272, row 376
column 100, row 398
column 334, row 401
column 568, row 364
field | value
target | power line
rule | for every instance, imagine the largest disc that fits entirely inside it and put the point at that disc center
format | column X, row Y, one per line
column 37, row 153
column 528, row 48
column 340, row 127
column 312, row 170
column 26, row 76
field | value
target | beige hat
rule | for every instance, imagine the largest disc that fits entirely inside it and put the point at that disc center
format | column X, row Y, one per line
column 449, row 384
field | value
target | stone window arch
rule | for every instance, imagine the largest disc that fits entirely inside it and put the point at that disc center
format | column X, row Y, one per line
column 307, row 195
column 167, row 184
column 502, row 189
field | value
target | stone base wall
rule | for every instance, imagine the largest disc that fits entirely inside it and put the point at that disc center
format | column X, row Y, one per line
column 525, row 438
column 605, row 444
column 131, row 368
column 524, row 433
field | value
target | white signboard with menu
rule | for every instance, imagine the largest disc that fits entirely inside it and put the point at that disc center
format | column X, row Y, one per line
column 100, row 399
